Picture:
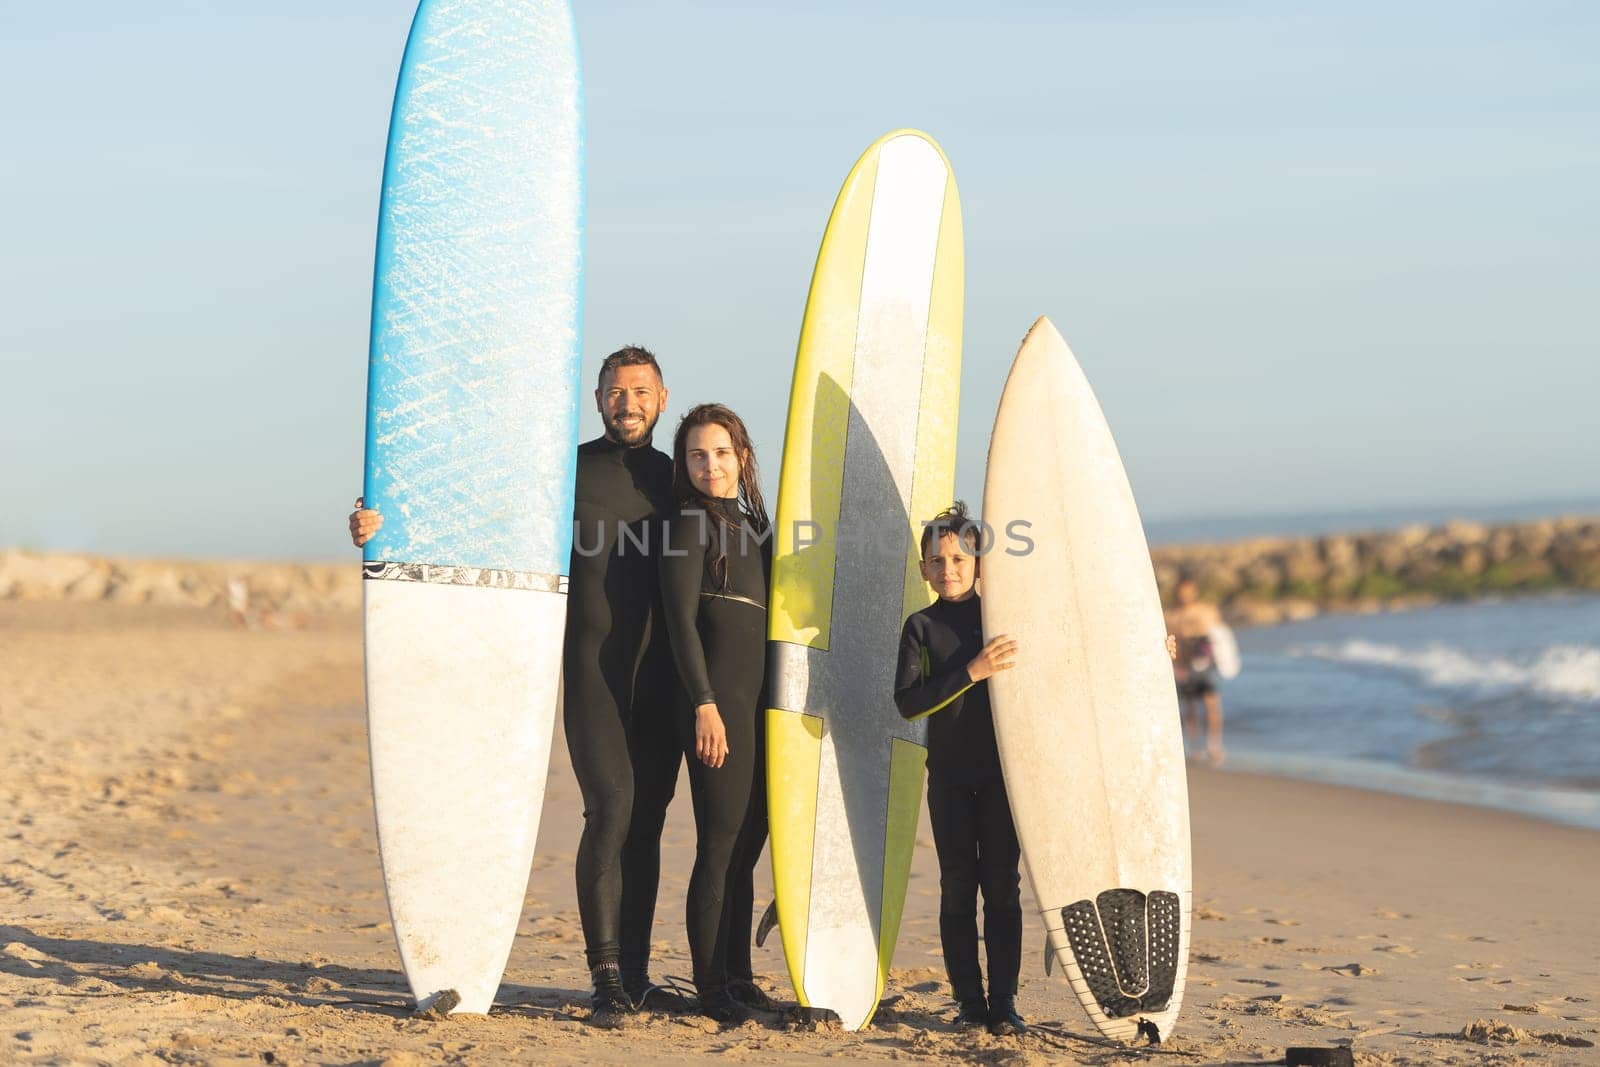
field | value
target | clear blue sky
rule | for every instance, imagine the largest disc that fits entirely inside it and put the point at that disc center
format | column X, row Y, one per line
column 1312, row 256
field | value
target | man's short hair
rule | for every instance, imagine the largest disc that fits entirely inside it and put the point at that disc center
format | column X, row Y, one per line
column 952, row 520
column 630, row 356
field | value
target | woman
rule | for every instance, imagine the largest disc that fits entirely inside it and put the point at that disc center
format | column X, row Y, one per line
column 715, row 565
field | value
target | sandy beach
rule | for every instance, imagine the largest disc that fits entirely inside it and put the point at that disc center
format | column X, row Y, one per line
column 189, row 875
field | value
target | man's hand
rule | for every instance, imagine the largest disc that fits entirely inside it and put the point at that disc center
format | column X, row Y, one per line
column 364, row 523
column 710, row 736
column 998, row 655
column 1172, row 646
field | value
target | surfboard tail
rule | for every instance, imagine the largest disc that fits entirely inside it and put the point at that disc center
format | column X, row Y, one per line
column 1125, row 955
column 794, row 754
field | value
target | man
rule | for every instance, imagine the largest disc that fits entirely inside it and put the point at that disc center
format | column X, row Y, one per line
column 619, row 682
column 1193, row 621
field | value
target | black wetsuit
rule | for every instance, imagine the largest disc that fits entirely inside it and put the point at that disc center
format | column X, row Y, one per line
column 716, row 616
column 967, row 805
column 620, row 690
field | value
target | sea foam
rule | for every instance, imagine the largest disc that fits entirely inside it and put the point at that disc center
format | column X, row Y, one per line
column 1561, row 672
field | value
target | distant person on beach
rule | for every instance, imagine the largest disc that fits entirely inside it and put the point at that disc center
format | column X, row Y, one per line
column 714, row 580
column 1195, row 669
column 619, row 685
column 942, row 674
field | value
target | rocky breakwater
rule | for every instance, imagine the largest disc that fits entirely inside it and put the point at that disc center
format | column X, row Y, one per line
column 256, row 591
column 1256, row 582
column 1272, row 580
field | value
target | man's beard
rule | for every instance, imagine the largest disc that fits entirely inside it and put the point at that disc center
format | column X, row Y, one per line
column 637, row 436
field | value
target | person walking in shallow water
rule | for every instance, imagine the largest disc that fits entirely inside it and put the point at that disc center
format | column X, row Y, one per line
column 716, row 567
column 1195, row 669
column 619, row 685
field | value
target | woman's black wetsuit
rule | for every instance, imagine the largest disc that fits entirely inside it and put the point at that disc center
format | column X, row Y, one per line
column 620, row 692
column 715, row 608
column 967, row 804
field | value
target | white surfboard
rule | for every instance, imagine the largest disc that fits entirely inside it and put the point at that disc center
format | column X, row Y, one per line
column 1087, row 722
column 471, row 439
column 1224, row 651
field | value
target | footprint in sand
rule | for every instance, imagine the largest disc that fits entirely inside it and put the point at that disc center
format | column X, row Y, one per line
column 32, row 957
column 1495, row 1032
column 1271, row 940
column 1352, row 970
column 1398, row 950
column 1284, row 922
column 151, row 972
column 1481, row 977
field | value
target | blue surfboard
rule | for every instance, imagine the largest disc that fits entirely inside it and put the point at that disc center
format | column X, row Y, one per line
column 471, row 443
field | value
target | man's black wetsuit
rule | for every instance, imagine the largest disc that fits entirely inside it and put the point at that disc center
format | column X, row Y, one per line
column 972, row 828
column 716, row 615
column 620, row 688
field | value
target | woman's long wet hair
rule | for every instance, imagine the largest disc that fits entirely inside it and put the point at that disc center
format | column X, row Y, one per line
column 684, row 491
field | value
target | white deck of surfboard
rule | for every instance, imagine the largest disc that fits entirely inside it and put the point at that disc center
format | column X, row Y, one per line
column 1087, row 722
column 851, row 684
column 460, row 718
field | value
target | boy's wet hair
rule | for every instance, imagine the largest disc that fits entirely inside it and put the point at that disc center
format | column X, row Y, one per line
column 629, row 356
column 952, row 520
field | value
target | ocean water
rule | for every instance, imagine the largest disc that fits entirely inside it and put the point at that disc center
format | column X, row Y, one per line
column 1494, row 703
column 1184, row 531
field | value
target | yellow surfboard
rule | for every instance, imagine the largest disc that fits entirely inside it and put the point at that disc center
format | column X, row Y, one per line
column 869, row 454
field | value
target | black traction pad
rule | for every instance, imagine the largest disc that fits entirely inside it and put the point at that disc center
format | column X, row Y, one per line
column 1126, row 947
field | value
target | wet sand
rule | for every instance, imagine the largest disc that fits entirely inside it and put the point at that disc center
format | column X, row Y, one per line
column 188, row 874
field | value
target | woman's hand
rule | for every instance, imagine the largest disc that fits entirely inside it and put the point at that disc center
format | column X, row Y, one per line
column 998, row 655
column 710, row 737
column 1172, row 646
column 364, row 524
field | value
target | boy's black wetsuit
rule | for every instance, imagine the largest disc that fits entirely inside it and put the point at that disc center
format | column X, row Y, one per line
column 618, row 699
column 716, row 615
column 972, row 829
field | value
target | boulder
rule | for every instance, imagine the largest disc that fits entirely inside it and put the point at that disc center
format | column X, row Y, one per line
column 32, row 576
column 93, row 585
column 1303, row 566
column 1338, row 553
column 1252, row 611
column 1296, row 608
column 1462, row 532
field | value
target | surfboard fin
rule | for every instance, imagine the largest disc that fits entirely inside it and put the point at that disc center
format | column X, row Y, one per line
column 768, row 923
column 440, row 1006
column 1049, row 958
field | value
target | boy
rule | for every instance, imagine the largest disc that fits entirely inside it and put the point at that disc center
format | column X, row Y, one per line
column 943, row 666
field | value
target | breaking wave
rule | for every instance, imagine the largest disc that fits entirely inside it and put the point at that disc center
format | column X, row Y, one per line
column 1561, row 672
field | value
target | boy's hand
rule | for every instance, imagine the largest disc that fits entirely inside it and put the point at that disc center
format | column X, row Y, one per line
column 710, row 736
column 999, row 654
column 1172, row 646
column 364, row 524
